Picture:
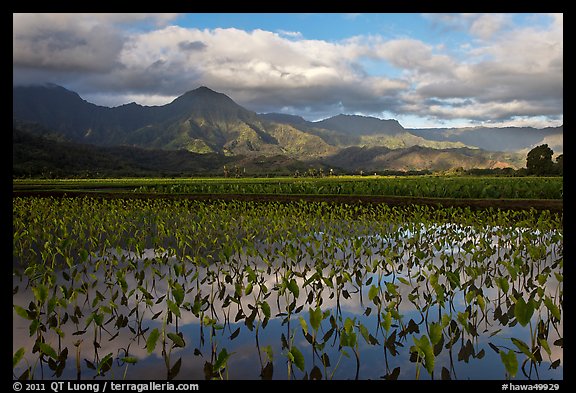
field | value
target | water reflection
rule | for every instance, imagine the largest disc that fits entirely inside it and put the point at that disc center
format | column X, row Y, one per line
column 257, row 305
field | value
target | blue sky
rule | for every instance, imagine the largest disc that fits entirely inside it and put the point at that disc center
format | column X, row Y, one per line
column 425, row 70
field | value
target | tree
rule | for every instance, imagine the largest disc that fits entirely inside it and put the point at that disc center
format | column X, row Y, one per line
column 539, row 161
column 560, row 164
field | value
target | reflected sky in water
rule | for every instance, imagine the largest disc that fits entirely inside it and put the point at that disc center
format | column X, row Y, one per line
column 246, row 362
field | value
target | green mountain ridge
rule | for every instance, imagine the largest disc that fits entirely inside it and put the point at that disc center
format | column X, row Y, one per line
column 206, row 122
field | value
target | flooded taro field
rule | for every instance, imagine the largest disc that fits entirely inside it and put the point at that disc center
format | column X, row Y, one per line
column 180, row 289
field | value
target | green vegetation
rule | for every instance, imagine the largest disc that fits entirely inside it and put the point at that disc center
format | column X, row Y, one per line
column 116, row 288
column 411, row 186
column 539, row 162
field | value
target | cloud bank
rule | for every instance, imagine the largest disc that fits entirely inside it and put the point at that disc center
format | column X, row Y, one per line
column 504, row 73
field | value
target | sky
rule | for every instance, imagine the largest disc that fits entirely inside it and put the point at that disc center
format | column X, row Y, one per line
column 424, row 70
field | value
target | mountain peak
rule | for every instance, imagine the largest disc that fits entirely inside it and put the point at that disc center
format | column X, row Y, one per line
column 204, row 89
column 356, row 124
column 206, row 95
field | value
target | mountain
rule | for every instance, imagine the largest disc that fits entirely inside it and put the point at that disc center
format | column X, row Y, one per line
column 37, row 153
column 209, row 123
column 519, row 139
column 201, row 121
column 418, row 158
column 353, row 130
column 360, row 125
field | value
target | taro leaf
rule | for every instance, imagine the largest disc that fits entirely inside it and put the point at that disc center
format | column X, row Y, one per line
column 542, row 278
column 175, row 369
column 554, row 364
column 240, row 313
column 129, row 359
column 435, row 333
column 454, row 279
column 222, row 359
column 393, row 376
column 373, row 292
column 463, row 319
column 315, row 317
column 40, row 293
column 347, row 339
column 83, row 255
column 412, row 327
column 18, row 356
column 90, row 365
column 268, row 350
column 328, row 334
column 544, row 344
column 481, row 302
column 22, row 312
column 315, row 374
column 364, row 332
column 265, row 309
column 554, row 310
column 248, row 289
column 173, row 307
column 446, row 320
column 390, row 343
column 105, row 364
column 48, row 350
column 387, row 322
column 348, row 325
column 559, row 343
column 152, row 339
column 423, row 345
column 522, row 346
column 267, row 372
column 293, row 287
column 523, row 311
column 304, row 325
column 510, row 362
column 178, row 293
column 445, row 374
column 284, row 342
column 197, row 352
column 391, row 288
column 503, row 284
column 466, row 351
column 310, row 297
column 176, row 339
column 298, row 358
column 235, row 334
column 249, row 321
column 325, row 360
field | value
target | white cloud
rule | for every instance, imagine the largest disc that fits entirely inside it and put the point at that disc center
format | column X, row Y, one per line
column 290, row 34
column 502, row 73
column 486, row 25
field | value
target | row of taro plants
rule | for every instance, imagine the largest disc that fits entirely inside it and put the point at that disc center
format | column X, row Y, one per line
column 421, row 186
column 89, row 273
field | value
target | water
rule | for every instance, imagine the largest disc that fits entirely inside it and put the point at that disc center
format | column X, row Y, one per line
column 401, row 264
